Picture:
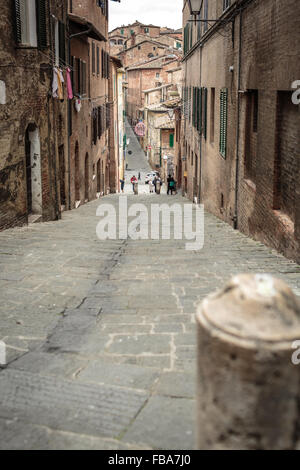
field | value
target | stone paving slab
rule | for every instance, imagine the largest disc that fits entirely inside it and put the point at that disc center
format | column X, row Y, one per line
column 165, row 423
column 65, row 405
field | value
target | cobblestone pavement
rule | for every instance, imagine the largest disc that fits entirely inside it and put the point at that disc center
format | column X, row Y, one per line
column 101, row 334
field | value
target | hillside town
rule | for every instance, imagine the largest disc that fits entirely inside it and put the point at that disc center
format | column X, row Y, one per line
column 110, row 334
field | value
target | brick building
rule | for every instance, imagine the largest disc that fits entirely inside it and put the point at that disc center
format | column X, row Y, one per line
column 150, row 74
column 32, row 135
column 240, row 152
column 89, row 113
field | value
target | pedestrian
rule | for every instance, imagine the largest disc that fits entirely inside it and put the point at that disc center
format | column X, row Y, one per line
column 122, row 185
column 151, row 187
column 133, row 182
column 139, row 176
column 171, row 185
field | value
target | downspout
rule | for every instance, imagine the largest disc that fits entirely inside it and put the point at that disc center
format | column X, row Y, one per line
column 57, row 208
column 235, row 218
column 200, row 163
column 68, row 127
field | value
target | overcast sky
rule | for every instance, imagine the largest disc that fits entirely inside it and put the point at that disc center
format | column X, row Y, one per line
column 157, row 12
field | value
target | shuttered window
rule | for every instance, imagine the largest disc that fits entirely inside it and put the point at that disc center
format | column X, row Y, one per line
column 83, row 78
column 171, row 141
column 62, row 43
column 93, row 58
column 41, row 18
column 205, row 113
column 98, row 61
column 200, row 113
column 30, row 23
column 223, row 121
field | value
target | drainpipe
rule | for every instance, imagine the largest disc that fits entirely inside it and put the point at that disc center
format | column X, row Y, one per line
column 55, row 153
column 235, row 217
column 200, row 162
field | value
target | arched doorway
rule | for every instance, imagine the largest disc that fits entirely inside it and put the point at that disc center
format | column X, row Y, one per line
column 77, row 173
column 33, row 170
column 86, row 178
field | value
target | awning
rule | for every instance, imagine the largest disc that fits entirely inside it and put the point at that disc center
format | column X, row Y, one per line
column 80, row 25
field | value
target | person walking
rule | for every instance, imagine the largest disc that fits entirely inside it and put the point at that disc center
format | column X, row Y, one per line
column 139, row 177
column 122, row 185
column 151, row 187
column 133, row 182
column 171, row 185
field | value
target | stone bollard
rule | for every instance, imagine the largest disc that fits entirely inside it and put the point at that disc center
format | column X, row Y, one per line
column 248, row 389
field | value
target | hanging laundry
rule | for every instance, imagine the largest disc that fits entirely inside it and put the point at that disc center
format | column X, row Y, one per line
column 69, row 84
column 60, row 81
column 57, row 84
column 54, row 84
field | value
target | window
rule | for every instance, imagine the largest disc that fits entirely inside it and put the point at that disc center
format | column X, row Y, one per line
column 93, row 59
column 171, row 143
column 31, row 23
column 226, row 4
column 212, row 114
column 157, row 75
column 255, row 110
column 223, row 121
column 146, row 30
column 98, row 60
column 251, row 135
column 205, row 16
column 122, row 31
column 80, row 85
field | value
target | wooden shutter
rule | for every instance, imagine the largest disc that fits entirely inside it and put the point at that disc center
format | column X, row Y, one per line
column 223, row 121
column 93, row 58
column 18, row 21
column 83, row 77
column 200, row 110
column 171, row 141
column 98, row 61
column 62, row 42
column 205, row 113
column 99, row 121
column 102, row 63
column 41, row 19
column 78, row 73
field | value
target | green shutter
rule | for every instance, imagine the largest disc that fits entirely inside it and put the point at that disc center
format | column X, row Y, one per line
column 200, row 111
column 223, row 121
column 41, row 19
column 171, row 141
column 205, row 114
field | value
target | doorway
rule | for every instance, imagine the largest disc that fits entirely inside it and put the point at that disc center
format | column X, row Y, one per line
column 33, row 170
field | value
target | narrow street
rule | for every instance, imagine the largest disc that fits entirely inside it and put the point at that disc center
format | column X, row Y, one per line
column 101, row 334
